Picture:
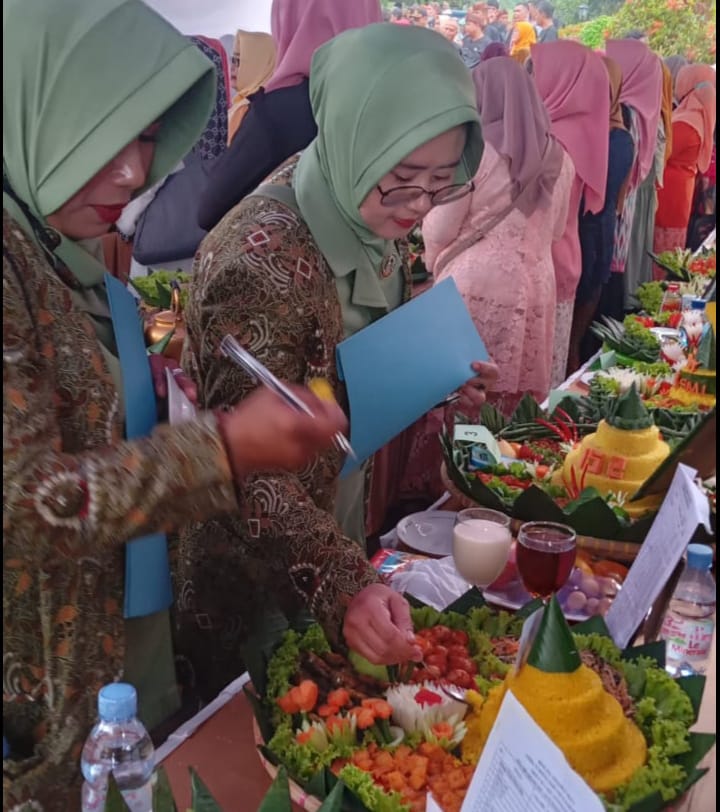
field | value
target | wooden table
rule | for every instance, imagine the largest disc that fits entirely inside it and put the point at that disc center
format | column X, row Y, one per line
column 223, row 752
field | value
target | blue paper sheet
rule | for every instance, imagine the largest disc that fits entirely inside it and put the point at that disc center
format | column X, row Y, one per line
column 405, row 363
column 148, row 588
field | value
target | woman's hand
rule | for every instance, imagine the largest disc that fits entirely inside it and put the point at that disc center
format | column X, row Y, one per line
column 379, row 627
column 263, row 433
column 472, row 395
column 158, row 364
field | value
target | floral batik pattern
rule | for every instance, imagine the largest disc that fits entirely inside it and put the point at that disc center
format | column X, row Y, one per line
column 74, row 492
column 260, row 276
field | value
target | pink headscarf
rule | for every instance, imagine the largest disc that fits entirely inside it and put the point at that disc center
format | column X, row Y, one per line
column 695, row 89
column 642, row 89
column 515, row 121
column 301, row 26
column 574, row 85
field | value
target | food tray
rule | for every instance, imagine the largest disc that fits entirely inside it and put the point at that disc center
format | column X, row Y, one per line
column 623, row 551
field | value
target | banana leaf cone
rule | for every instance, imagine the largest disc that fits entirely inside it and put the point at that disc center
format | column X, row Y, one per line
column 554, row 649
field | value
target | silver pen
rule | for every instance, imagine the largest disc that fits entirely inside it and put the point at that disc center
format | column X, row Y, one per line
column 232, row 349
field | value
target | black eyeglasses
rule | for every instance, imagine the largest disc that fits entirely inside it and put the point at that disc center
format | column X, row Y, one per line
column 399, row 195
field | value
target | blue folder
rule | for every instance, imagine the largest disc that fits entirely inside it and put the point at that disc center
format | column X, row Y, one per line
column 405, row 363
column 148, row 588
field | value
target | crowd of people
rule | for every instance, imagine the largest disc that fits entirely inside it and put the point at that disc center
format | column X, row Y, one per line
column 538, row 173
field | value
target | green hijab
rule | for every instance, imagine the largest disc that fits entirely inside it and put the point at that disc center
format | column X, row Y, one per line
column 83, row 78
column 377, row 93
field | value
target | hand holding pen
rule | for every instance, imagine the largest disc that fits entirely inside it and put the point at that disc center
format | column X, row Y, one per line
column 233, row 350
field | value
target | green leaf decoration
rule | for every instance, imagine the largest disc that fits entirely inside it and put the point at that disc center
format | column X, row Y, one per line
column 320, row 785
column 278, row 796
column 700, row 746
column 694, row 687
column 593, row 625
column 334, row 801
column 655, row 651
column 159, row 347
column 527, row 411
column 535, row 505
column 629, row 412
column 471, row 599
column 529, row 608
column 162, row 798
column 114, row 801
column 554, row 650
column 202, row 799
column 155, row 289
column 492, row 418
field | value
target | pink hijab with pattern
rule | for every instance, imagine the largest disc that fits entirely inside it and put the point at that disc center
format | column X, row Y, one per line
column 642, row 89
column 299, row 27
column 515, row 121
column 575, row 87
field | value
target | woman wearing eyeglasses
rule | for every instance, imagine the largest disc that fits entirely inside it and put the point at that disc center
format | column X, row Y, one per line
column 311, row 257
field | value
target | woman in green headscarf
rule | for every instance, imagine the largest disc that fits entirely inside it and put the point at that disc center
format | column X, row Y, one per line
column 100, row 98
column 314, row 255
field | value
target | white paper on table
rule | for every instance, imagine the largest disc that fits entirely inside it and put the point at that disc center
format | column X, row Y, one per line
column 521, row 769
column 682, row 510
column 431, row 805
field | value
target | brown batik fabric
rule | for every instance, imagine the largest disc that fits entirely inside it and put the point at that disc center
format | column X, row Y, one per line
column 260, row 277
column 74, row 492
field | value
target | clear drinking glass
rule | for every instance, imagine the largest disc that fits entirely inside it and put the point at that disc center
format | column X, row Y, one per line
column 481, row 544
column 545, row 556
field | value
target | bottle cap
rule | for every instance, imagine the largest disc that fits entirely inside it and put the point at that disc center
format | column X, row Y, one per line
column 699, row 556
column 698, row 304
column 117, row 702
column 673, row 287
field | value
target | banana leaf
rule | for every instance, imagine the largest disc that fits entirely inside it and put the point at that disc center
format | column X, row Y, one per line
column 554, row 649
column 278, row 796
column 469, row 600
column 590, row 514
column 674, row 274
column 163, row 800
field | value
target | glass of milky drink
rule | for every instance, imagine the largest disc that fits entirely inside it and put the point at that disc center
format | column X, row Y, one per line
column 481, row 544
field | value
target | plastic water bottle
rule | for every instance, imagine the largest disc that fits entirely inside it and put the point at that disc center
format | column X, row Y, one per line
column 118, row 744
column 688, row 625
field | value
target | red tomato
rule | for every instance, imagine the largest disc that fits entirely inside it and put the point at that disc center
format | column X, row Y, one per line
column 460, row 678
column 441, row 634
column 440, row 650
column 437, row 660
column 459, row 637
column 461, row 664
column 457, row 650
